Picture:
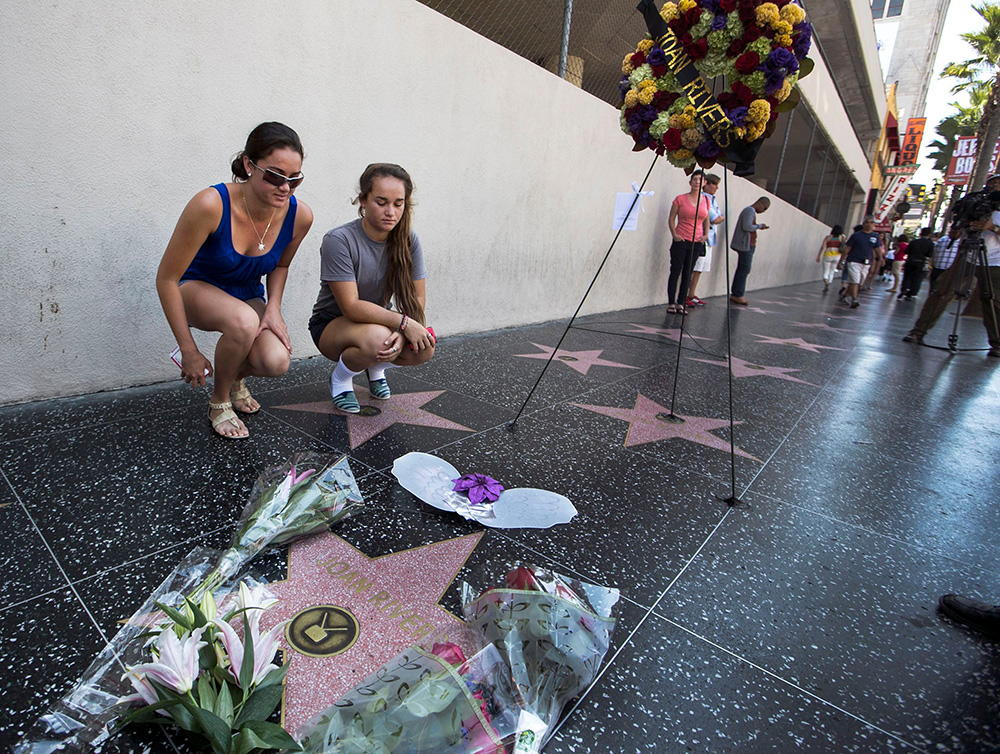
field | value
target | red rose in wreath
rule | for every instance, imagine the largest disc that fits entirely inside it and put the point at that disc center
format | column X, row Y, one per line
column 672, row 139
column 742, row 91
column 747, row 62
column 697, row 50
column 727, row 6
column 751, row 34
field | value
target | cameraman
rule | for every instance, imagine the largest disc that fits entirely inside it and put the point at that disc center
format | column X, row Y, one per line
column 944, row 288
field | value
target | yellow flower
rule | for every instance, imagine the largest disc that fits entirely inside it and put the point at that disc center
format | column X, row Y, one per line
column 782, row 27
column 740, row 132
column 627, row 66
column 782, row 94
column 690, row 138
column 793, row 14
column 685, row 5
column 783, row 40
column 767, row 14
column 645, row 45
column 631, row 98
column 669, row 12
column 682, row 154
column 674, row 121
column 647, row 84
column 759, row 112
column 646, row 95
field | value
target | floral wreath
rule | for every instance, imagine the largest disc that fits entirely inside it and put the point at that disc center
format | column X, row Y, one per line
column 760, row 48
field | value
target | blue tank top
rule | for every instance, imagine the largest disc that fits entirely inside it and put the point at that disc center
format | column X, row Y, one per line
column 218, row 263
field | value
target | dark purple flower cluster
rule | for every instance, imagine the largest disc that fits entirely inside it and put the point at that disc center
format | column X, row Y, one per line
column 656, row 57
column 719, row 23
column 738, row 115
column 781, row 61
column 708, row 150
column 624, row 86
column 804, row 40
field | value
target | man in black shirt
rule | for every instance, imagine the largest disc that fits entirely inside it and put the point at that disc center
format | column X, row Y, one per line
column 917, row 254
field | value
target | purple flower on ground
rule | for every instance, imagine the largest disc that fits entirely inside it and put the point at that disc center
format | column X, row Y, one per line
column 781, row 60
column 478, row 487
column 656, row 57
column 719, row 22
column 738, row 115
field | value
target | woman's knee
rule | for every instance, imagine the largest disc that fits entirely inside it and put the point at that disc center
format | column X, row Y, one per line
column 271, row 360
column 242, row 326
column 372, row 340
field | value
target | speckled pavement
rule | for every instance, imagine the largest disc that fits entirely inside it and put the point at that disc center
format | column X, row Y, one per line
column 802, row 620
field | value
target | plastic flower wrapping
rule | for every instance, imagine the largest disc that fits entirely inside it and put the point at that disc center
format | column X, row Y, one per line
column 553, row 632
column 428, row 701
column 711, row 81
column 306, row 494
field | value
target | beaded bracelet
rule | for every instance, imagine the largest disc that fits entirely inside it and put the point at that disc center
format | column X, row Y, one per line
column 402, row 323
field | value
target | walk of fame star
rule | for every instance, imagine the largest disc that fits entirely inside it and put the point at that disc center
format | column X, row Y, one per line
column 378, row 416
column 392, row 599
column 774, row 303
column 822, row 326
column 795, row 343
column 670, row 333
column 581, row 361
column 752, row 309
column 644, row 426
column 743, row 368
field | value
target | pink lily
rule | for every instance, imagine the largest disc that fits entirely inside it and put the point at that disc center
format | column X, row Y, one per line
column 296, row 478
column 264, row 648
column 145, row 693
column 177, row 661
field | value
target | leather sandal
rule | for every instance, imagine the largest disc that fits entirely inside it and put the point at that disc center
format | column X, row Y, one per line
column 239, row 392
column 227, row 415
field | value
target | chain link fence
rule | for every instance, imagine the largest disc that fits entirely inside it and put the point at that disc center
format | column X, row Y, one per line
column 586, row 39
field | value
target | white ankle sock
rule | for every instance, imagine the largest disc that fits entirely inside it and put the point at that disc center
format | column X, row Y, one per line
column 377, row 372
column 342, row 379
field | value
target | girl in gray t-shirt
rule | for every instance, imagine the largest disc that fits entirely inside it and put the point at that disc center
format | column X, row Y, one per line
column 369, row 314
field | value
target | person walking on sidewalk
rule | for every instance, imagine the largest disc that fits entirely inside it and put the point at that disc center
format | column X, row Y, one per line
column 917, row 254
column 829, row 254
column 858, row 253
column 744, row 243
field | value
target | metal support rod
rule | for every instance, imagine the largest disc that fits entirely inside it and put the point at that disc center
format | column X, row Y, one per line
column 784, row 146
column 805, row 165
column 822, row 177
column 564, row 47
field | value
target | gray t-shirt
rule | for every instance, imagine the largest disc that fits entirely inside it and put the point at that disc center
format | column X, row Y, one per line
column 347, row 254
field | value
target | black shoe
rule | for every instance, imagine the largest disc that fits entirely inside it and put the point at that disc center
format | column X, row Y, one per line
column 913, row 337
column 855, row 304
column 977, row 615
column 899, row 296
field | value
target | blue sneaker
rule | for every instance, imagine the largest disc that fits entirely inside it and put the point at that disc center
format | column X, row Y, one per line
column 378, row 388
column 347, row 402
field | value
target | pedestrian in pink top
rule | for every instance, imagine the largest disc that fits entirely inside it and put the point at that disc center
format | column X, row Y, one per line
column 688, row 227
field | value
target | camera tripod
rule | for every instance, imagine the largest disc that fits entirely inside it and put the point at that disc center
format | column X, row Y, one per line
column 973, row 260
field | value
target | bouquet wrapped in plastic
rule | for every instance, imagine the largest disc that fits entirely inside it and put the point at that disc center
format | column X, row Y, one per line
column 422, row 702
column 307, row 493
column 553, row 632
column 304, row 495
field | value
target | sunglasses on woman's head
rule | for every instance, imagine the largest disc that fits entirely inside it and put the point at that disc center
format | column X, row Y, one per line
column 278, row 179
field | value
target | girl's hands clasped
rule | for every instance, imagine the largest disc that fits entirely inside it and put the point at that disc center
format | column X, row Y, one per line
column 418, row 336
column 391, row 348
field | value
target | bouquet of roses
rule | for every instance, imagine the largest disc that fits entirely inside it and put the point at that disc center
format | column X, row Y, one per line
column 422, row 702
column 207, row 679
column 307, row 493
column 553, row 632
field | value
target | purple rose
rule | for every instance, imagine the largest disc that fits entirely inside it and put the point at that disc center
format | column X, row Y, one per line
column 781, row 61
column 624, row 86
column 478, row 487
column 738, row 115
column 635, row 123
column 803, row 41
column 708, row 150
column 774, row 81
column 712, row 5
column 656, row 57
column 648, row 113
column 719, row 22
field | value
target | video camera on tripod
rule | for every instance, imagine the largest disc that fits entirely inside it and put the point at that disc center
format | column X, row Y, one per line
column 975, row 206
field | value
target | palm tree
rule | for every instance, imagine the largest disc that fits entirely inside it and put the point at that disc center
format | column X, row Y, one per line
column 982, row 72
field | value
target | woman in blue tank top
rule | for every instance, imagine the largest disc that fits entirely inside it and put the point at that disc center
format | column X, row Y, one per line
column 227, row 238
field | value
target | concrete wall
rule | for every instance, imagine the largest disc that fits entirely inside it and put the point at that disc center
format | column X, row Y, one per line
column 116, row 113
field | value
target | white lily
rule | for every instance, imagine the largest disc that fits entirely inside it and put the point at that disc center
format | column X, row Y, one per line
column 253, row 601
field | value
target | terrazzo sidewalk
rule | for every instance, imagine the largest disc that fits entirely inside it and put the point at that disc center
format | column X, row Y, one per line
column 802, row 620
